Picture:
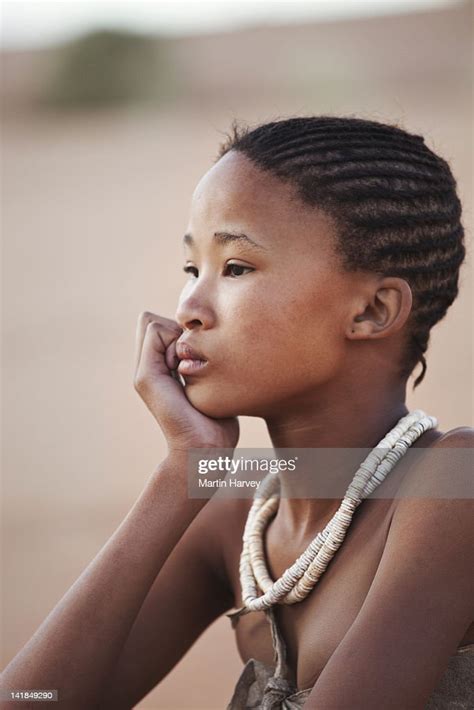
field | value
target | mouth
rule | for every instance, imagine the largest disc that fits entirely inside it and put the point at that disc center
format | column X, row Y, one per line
column 191, row 367
column 191, row 360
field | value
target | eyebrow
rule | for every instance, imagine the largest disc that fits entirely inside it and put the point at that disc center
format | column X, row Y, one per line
column 223, row 238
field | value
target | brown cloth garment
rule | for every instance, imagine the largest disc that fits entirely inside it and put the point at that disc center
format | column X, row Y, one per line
column 267, row 688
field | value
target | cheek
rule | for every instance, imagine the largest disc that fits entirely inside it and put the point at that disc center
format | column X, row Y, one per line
column 283, row 337
column 320, row 345
column 290, row 323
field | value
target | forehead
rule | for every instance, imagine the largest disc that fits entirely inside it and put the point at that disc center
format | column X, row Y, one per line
column 237, row 194
column 236, row 184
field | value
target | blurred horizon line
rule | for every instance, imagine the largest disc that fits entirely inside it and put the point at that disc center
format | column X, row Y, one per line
column 49, row 28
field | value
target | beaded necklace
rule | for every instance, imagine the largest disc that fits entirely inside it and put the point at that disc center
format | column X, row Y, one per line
column 297, row 581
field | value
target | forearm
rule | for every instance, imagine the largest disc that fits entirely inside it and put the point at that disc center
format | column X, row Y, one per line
column 76, row 647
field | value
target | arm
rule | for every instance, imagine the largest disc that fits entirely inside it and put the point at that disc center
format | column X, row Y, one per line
column 417, row 610
column 76, row 648
column 190, row 592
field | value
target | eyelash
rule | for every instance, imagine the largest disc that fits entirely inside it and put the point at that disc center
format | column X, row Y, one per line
column 190, row 269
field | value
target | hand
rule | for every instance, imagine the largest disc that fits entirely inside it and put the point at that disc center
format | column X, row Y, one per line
column 156, row 382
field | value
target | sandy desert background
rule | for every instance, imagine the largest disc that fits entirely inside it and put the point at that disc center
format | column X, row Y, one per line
column 94, row 206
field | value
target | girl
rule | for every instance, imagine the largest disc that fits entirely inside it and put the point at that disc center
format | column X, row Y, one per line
column 320, row 251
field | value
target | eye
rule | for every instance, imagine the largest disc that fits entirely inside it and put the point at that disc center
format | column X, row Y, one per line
column 239, row 266
column 193, row 270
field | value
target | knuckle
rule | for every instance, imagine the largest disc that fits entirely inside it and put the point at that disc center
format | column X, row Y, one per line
column 153, row 325
column 169, row 325
column 145, row 317
column 172, row 325
column 139, row 383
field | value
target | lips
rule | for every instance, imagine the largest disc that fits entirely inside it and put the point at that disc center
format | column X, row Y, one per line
column 185, row 352
column 192, row 360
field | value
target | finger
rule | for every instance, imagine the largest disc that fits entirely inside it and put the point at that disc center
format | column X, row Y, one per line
column 144, row 319
column 156, row 341
column 162, row 392
column 171, row 357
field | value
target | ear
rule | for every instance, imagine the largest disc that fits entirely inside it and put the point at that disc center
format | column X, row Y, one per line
column 383, row 311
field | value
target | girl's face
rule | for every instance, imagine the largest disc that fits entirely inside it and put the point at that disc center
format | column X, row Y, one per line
column 269, row 310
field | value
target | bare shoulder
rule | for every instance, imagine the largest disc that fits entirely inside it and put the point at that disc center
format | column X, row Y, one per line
column 442, row 470
column 435, row 503
column 434, row 515
column 462, row 436
column 420, row 605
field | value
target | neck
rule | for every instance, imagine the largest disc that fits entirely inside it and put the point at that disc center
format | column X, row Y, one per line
column 338, row 416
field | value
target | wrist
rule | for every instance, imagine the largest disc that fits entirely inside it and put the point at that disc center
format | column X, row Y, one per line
column 183, row 454
column 170, row 480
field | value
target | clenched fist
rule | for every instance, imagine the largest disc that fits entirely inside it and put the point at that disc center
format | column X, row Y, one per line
column 158, row 384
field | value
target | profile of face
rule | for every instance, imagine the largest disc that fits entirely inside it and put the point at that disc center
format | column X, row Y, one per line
column 267, row 302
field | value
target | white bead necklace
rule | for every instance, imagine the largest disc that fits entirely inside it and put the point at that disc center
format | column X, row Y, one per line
column 297, row 581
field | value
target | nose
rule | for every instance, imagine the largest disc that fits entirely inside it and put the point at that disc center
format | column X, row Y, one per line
column 193, row 313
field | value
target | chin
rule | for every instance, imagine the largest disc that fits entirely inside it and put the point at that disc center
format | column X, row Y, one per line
column 211, row 403
column 215, row 402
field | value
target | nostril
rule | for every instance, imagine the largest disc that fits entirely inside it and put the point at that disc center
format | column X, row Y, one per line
column 193, row 323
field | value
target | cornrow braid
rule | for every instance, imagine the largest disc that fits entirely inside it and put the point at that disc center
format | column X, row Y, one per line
column 393, row 201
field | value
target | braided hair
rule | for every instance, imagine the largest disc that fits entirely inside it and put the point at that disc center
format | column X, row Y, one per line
column 393, row 201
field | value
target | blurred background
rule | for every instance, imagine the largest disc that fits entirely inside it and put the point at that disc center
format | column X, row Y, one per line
column 111, row 112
